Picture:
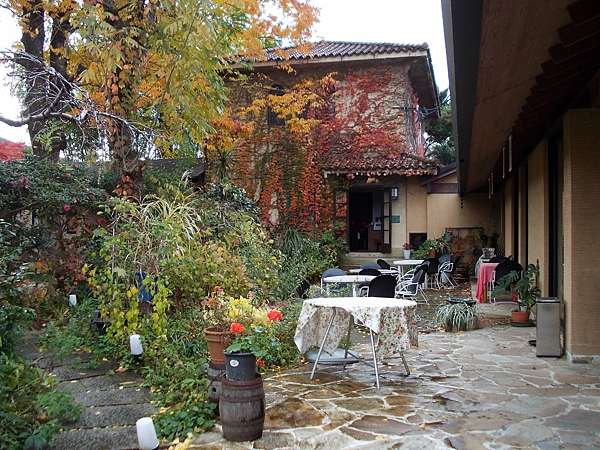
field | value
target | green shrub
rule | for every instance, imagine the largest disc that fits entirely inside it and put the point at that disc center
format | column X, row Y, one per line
column 306, row 259
column 40, row 260
column 12, row 320
column 437, row 246
column 31, row 412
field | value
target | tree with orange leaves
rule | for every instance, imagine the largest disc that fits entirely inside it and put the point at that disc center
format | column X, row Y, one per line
column 156, row 63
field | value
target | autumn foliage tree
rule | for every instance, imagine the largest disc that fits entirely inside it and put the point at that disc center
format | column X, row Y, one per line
column 158, row 64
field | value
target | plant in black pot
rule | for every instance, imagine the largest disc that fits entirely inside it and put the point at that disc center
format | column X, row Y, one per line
column 250, row 346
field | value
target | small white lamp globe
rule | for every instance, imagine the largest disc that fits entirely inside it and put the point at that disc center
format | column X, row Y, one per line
column 146, row 434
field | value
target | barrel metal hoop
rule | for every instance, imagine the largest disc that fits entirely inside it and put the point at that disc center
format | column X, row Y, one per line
column 242, row 400
column 249, row 422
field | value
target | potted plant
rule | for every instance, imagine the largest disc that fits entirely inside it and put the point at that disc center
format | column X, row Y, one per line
column 217, row 333
column 250, row 345
column 407, row 249
column 523, row 288
column 457, row 316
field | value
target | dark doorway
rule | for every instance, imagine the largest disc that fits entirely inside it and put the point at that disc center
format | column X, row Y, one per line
column 360, row 220
column 369, row 219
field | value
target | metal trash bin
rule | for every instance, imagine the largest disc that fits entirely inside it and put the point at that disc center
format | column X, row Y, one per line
column 548, row 326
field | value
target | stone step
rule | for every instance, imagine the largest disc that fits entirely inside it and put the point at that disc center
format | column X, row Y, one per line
column 102, row 382
column 111, row 416
column 114, row 438
column 114, row 397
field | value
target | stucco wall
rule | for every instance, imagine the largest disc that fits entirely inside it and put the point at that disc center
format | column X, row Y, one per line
column 444, row 211
column 537, row 214
column 399, row 209
column 416, row 206
column 581, row 225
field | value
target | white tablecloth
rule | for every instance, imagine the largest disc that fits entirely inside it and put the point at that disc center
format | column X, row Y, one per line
column 392, row 319
column 408, row 262
column 349, row 279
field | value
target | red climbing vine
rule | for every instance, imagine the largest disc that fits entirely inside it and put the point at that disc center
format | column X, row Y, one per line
column 280, row 142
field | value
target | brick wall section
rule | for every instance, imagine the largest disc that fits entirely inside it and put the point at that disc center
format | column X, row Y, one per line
column 581, row 221
column 537, row 220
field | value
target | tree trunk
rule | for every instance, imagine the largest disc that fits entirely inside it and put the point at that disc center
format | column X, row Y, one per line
column 61, row 29
column 33, row 43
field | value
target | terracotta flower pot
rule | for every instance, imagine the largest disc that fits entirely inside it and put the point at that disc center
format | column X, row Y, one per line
column 217, row 341
column 520, row 316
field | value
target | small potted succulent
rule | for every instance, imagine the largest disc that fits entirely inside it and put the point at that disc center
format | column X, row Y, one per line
column 523, row 288
column 407, row 250
column 250, row 345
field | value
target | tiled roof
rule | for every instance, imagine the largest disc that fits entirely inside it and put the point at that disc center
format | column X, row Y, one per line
column 331, row 49
column 376, row 162
column 10, row 150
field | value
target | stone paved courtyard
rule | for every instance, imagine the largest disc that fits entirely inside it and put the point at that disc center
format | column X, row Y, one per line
column 481, row 389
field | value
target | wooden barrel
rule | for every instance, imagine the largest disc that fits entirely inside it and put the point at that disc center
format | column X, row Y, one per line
column 242, row 409
column 215, row 374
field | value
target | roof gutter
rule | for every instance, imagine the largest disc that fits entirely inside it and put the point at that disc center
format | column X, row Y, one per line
column 462, row 32
column 334, row 59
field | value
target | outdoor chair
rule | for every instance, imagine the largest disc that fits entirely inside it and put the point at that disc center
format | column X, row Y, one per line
column 383, row 264
column 446, row 257
column 370, row 265
column 432, row 271
column 412, row 288
column 382, row 286
column 332, row 272
column 502, row 269
column 444, row 275
column 498, row 259
column 370, row 271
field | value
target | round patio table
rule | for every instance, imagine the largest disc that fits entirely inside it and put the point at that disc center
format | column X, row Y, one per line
column 354, row 280
column 323, row 323
column 402, row 263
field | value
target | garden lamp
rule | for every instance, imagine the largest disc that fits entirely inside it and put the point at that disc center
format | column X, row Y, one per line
column 135, row 345
column 146, row 434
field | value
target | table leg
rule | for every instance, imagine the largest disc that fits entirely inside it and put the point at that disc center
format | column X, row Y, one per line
column 374, row 359
column 312, row 374
column 348, row 337
column 405, row 364
column 354, row 292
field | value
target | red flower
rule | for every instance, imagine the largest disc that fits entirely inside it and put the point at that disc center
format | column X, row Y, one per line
column 236, row 328
column 274, row 315
column 260, row 363
column 66, row 207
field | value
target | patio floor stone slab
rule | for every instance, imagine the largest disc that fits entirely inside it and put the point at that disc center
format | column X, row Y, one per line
column 473, row 390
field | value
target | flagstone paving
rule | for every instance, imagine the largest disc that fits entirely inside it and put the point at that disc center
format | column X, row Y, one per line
column 475, row 390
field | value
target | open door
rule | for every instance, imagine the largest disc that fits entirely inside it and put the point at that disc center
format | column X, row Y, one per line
column 386, row 221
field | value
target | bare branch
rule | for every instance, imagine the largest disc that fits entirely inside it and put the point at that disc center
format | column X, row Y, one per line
column 52, row 96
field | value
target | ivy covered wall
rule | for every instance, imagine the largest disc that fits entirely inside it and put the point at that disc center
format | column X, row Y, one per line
column 291, row 138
